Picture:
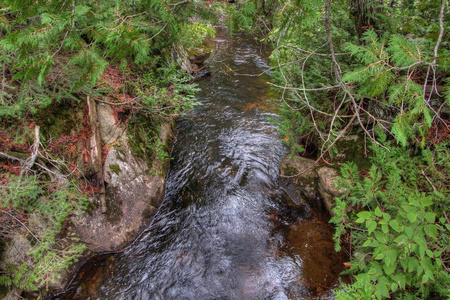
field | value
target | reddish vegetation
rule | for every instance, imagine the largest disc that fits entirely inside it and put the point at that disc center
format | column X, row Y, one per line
column 113, row 77
column 11, row 167
column 72, row 145
column 7, row 138
column 67, row 146
column 438, row 133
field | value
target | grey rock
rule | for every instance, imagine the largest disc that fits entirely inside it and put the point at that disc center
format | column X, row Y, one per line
column 16, row 251
column 327, row 186
column 109, row 130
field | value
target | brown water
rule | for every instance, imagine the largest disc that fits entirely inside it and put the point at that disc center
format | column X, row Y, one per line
column 222, row 231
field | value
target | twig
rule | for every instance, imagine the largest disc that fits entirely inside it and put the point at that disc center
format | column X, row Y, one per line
column 441, row 32
column 305, row 89
column 20, row 222
column 429, row 181
column 7, row 156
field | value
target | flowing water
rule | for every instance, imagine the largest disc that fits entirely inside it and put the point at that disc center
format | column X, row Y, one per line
column 214, row 236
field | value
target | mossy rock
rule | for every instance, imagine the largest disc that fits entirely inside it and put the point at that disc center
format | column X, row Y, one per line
column 115, row 168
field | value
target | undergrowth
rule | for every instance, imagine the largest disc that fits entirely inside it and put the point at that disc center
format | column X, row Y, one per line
column 394, row 217
column 39, row 211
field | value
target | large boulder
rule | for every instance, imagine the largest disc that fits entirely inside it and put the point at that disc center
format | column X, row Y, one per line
column 311, row 179
column 301, row 170
column 133, row 191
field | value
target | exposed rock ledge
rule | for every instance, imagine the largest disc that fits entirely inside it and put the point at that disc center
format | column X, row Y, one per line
column 132, row 193
column 311, row 179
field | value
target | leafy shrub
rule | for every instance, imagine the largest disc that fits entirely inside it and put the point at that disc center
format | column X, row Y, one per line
column 396, row 224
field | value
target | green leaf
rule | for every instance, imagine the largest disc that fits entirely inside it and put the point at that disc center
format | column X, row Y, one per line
column 379, row 256
column 401, row 239
column 400, row 279
column 382, row 290
column 431, row 231
column 359, row 220
column 378, row 212
column 371, row 243
column 365, row 215
column 394, row 286
column 389, row 269
column 371, row 226
column 426, row 201
column 430, row 217
column 391, row 257
column 398, row 130
column 426, row 114
column 394, row 224
column 409, row 232
column 412, row 217
column 381, row 237
column 413, row 263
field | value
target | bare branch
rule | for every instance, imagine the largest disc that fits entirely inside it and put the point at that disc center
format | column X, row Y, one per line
column 338, row 74
column 316, row 53
column 21, row 223
column 10, row 157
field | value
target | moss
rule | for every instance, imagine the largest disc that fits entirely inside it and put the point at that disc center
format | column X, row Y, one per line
column 115, row 168
column 3, row 291
column 290, row 170
column 352, row 150
column 60, row 119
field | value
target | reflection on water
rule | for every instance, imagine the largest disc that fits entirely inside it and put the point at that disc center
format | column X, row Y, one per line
column 214, row 236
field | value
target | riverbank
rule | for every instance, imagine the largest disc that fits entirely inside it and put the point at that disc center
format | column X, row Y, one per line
column 82, row 177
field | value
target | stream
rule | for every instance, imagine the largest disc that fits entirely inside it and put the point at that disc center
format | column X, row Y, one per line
column 220, row 232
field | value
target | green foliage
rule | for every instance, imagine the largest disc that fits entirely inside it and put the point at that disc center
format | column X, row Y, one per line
column 240, row 17
column 193, row 34
column 47, row 208
column 164, row 93
column 62, row 49
column 398, row 230
column 55, row 53
column 386, row 67
column 293, row 125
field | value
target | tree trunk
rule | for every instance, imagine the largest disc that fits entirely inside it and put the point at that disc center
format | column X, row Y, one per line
column 361, row 11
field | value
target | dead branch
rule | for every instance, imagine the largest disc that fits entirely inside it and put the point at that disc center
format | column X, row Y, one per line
column 96, row 150
column 34, row 153
column 10, row 157
column 21, row 223
column 338, row 74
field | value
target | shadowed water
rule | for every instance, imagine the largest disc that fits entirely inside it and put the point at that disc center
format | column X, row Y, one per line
column 214, row 237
